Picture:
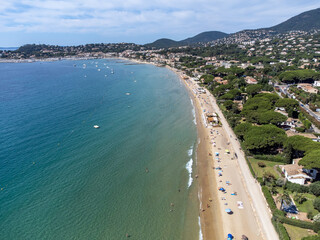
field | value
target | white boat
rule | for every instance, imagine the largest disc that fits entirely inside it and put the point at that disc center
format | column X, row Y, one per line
column 96, row 126
column 128, row 93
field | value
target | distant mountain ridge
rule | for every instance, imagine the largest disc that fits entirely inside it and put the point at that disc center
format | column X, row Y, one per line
column 200, row 38
column 306, row 21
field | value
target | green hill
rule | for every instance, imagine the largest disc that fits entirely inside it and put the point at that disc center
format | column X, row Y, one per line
column 200, row 38
column 305, row 21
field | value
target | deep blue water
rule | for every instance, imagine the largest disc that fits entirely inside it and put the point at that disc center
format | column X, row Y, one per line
column 60, row 178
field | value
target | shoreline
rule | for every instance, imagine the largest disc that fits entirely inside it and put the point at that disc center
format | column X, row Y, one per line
column 255, row 219
column 210, row 219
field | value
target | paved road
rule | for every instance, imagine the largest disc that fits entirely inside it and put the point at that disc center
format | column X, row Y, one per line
column 253, row 188
column 284, row 90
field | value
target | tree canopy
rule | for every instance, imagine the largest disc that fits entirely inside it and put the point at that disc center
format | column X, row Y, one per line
column 257, row 104
column 264, row 139
column 311, row 160
column 287, row 103
column 304, row 75
column 253, row 89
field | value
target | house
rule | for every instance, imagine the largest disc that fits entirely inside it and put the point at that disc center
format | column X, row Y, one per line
column 250, row 80
column 220, row 80
column 297, row 174
column 316, row 84
column 307, row 87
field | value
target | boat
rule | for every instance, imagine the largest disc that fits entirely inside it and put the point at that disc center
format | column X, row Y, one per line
column 96, row 126
column 128, row 93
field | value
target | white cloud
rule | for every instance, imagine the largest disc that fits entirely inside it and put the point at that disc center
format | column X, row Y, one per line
column 168, row 17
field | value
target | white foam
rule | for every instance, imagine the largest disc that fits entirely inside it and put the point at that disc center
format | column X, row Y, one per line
column 189, row 168
column 190, row 151
column 193, row 112
column 200, row 232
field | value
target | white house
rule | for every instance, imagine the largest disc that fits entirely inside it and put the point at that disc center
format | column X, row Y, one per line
column 316, row 84
column 297, row 174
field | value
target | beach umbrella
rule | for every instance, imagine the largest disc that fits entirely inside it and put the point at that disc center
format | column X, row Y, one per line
column 230, row 236
column 228, row 210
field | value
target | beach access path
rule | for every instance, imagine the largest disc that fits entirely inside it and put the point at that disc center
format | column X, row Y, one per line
column 254, row 220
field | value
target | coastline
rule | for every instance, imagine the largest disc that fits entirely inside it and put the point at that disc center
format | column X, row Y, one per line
column 210, row 218
column 254, row 219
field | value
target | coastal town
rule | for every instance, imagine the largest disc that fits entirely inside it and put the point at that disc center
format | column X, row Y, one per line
column 258, row 103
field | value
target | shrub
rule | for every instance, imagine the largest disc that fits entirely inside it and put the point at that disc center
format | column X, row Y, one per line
column 316, row 203
column 310, row 215
column 280, row 182
column 269, row 198
column 272, row 158
column 314, row 188
column 316, row 218
column 281, row 230
column 316, row 237
column 300, row 129
column 300, row 198
column 294, row 187
column 261, row 164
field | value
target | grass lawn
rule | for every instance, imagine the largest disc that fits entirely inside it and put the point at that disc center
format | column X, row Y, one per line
column 268, row 168
column 307, row 206
column 297, row 233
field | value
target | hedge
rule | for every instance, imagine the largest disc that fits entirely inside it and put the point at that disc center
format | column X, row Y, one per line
column 269, row 198
column 281, row 230
column 272, row 158
column 298, row 223
column 250, row 167
column 317, row 237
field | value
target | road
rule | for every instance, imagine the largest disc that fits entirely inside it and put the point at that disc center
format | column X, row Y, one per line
column 258, row 201
column 284, row 90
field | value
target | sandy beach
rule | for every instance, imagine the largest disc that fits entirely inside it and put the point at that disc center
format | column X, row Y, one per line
column 250, row 216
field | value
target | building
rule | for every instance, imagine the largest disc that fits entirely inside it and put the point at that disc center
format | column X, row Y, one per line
column 250, row 80
column 307, row 87
column 316, row 84
column 297, row 174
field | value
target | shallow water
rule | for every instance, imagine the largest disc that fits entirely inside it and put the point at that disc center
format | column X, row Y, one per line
column 61, row 178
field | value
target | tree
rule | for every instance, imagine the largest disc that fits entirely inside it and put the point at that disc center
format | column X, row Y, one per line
column 285, row 197
column 242, row 129
column 228, row 104
column 316, row 203
column 287, row 103
column 314, row 188
column 253, row 89
column 271, row 96
column 207, row 78
column 256, row 104
column 300, row 198
column 311, row 159
column 272, row 117
column 264, row 139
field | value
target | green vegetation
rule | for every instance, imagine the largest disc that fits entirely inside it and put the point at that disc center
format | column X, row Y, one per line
column 260, row 171
column 299, row 76
column 296, row 233
column 264, row 139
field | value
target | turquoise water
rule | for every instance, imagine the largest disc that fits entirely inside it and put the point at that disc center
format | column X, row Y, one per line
column 61, row 178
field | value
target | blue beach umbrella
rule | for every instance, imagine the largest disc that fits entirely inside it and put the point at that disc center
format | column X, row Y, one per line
column 228, row 210
column 230, row 236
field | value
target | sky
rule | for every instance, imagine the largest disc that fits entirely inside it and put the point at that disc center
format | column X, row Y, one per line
column 75, row 22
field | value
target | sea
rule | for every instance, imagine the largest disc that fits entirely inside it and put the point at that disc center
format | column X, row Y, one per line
column 131, row 178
